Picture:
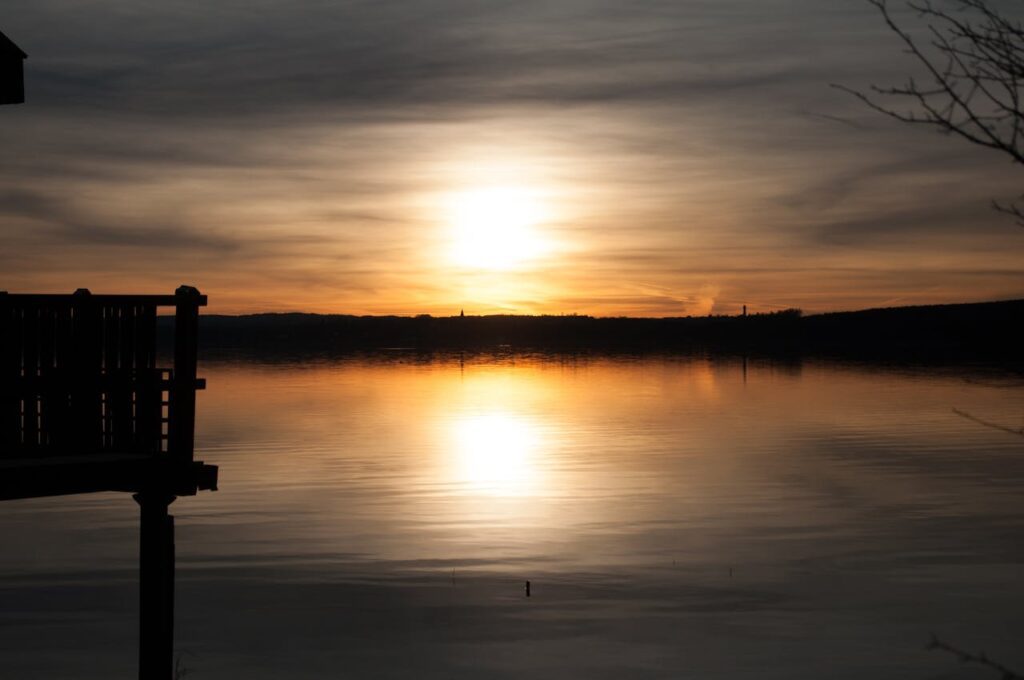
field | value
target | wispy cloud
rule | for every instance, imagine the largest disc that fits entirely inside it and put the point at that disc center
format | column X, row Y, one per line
column 292, row 152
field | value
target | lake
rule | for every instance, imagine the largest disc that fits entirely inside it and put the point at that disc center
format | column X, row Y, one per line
column 677, row 517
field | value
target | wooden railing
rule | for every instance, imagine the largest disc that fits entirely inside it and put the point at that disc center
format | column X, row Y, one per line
column 79, row 375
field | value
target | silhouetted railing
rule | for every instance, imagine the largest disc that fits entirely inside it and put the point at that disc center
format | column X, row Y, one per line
column 79, row 375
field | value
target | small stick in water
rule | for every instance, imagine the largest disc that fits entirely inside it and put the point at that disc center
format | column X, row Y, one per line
column 527, row 588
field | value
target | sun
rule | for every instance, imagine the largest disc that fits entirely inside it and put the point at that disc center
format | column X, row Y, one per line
column 496, row 228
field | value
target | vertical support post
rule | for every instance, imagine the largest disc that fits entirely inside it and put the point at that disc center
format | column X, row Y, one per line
column 181, row 430
column 156, row 586
column 86, row 366
column 10, row 372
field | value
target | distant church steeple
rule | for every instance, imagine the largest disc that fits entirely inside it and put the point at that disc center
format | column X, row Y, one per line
column 462, row 313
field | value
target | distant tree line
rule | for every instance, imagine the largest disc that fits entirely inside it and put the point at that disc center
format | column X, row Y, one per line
column 988, row 330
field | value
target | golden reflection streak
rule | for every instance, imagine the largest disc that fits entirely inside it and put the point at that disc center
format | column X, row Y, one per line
column 496, row 453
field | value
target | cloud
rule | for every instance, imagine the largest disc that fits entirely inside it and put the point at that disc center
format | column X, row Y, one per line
column 703, row 303
column 180, row 59
column 55, row 219
column 298, row 145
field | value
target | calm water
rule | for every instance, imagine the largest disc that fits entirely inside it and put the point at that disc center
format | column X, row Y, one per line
column 678, row 518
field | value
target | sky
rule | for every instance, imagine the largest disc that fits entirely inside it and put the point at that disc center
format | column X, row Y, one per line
column 657, row 158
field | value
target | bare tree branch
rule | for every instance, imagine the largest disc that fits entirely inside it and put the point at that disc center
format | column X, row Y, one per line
column 974, row 58
column 987, row 423
column 979, row 659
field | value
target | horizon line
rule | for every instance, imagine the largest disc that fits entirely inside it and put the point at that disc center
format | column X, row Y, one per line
column 777, row 310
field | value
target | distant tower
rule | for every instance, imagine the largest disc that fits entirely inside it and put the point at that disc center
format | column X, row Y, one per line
column 462, row 313
column 744, row 310
column 12, row 78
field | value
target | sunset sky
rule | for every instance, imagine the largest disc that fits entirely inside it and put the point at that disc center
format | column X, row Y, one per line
column 561, row 156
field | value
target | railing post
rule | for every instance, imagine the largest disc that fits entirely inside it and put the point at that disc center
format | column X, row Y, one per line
column 10, row 371
column 85, row 390
column 181, row 429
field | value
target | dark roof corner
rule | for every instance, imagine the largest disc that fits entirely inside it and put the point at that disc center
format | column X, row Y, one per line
column 7, row 46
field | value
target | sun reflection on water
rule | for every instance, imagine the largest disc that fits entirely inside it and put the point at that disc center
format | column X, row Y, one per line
column 497, row 453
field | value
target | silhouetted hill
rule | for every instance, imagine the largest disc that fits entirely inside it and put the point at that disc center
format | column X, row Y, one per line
column 984, row 330
column 987, row 328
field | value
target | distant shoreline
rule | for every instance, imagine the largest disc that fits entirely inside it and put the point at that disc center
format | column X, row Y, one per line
column 987, row 330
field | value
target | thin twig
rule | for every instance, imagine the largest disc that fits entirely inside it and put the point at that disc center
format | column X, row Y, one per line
column 986, row 423
column 980, row 659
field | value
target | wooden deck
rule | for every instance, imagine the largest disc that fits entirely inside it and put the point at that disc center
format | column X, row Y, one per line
column 64, row 475
column 85, row 407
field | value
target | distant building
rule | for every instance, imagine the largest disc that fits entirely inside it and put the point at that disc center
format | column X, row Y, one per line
column 12, row 72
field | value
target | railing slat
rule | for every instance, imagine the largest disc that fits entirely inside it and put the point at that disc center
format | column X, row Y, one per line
column 30, row 370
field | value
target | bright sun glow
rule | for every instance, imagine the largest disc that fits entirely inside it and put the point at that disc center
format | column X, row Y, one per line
column 496, row 227
column 496, row 453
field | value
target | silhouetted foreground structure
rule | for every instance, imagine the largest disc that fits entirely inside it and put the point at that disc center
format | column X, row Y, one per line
column 985, row 330
column 12, row 78
column 85, row 408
